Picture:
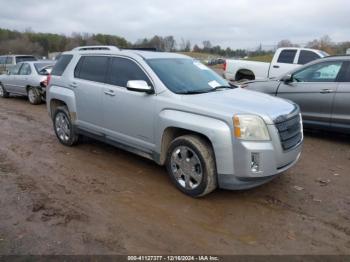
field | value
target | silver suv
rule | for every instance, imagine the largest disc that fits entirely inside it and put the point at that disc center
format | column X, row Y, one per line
column 174, row 110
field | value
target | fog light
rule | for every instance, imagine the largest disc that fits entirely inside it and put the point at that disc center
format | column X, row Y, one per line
column 255, row 163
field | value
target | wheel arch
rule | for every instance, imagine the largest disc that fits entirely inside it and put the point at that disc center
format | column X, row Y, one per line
column 173, row 123
column 171, row 133
column 244, row 73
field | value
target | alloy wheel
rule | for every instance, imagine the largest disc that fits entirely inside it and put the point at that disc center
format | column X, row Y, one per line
column 186, row 167
column 62, row 126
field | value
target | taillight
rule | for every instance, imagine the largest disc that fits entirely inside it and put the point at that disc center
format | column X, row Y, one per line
column 225, row 65
column 46, row 82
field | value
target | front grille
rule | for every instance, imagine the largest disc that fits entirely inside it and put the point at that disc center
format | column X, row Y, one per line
column 290, row 131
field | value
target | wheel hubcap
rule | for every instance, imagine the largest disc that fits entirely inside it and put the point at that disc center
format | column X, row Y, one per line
column 62, row 126
column 186, row 167
column 31, row 95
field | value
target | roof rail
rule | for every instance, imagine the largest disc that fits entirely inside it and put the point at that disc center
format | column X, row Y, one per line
column 152, row 49
column 96, row 47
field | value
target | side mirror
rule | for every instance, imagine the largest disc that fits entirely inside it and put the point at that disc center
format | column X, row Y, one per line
column 287, row 78
column 139, row 86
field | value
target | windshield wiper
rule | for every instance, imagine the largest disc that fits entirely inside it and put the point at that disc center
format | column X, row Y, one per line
column 194, row 92
column 222, row 87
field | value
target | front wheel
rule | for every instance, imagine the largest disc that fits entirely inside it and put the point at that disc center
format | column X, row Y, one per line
column 34, row 96
column 63, row 126
column 191, row 165
column 3, row 92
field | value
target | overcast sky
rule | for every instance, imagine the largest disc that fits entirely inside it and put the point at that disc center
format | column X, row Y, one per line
column 233, row 23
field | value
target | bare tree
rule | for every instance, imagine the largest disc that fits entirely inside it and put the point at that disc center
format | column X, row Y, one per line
column 286, row 43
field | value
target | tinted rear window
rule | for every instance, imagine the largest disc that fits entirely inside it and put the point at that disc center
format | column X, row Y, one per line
column 287, row 56
column 345, row 73
column 92, row 68
column 61, row 65
column 20, row 59
column 307, row 56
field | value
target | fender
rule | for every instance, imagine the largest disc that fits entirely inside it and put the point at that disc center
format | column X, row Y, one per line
column 63, row 94
column 217, row 131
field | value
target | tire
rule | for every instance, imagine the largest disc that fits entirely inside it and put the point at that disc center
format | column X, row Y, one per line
column 34, row 96
column 64, row 128
column 3, row 92
column 194, row 174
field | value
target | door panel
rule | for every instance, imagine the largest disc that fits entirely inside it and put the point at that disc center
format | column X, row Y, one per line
column 341, row 108
column 314, row 88
column 314, row 102
column 285, row 63
column 10, row 82
column 88, row 86
column 21, row 80
column 128, row 115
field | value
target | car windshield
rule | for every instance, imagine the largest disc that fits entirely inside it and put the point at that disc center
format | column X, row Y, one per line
column 186, row 76
column 43, row 68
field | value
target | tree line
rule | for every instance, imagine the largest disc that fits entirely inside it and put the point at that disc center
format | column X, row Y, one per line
column 42, row 44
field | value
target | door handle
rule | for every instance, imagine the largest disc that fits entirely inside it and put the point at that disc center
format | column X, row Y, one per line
column 109, row 93
column 326, row 91
column 74, row 85
column 276, row 66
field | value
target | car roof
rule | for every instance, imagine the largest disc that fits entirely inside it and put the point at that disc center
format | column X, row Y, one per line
column 38, row 62
column 17, row 55
column 337, row 57
column 111, row 50
column 155, row 55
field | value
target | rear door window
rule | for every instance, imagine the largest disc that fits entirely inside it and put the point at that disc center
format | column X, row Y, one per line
column 25, row 69
column 321, row 72
column 9, row 60
column 307, row 56
column 345, row 73
column 61, row 65
column 287, row 56
column 2, row 60
column 123, row 70
column 92, row 68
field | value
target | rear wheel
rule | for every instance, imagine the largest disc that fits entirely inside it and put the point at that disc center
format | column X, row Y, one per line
column 191, row 165
column 3, row 92
column 64, row 128
column 34, row 96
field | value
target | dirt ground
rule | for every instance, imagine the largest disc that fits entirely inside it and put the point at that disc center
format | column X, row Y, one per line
column 95, row 199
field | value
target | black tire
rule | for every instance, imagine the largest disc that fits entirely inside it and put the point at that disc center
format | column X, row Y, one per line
column 34, row 96
column 69, row 137
column 3, row 92
column 205, row 154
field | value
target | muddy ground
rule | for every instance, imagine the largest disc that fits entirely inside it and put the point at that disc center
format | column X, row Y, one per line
column 95, row 199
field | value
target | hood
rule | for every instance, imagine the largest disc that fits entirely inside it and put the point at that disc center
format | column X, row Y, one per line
column 241, row 101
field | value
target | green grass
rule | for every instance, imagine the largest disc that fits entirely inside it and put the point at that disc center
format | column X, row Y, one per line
column 199, row 56
column 262, row 58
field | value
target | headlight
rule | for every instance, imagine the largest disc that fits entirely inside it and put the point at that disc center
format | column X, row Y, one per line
column 250, row 127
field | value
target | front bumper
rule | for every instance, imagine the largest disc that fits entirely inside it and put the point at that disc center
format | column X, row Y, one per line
column 272, row 159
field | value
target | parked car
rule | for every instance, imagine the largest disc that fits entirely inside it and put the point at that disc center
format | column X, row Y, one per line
column 27, row 78
column 176, row 111
column 322, row 90
column 9, row 61
column 284, row 60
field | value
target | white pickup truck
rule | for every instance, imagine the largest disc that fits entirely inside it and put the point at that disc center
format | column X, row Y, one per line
column 284, row 60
